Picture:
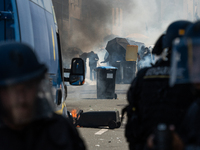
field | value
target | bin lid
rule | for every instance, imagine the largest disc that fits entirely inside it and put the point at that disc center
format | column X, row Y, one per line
column 106, row 67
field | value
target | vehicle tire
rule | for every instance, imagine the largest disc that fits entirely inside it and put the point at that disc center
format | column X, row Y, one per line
column 112, row 124
column 65, row 87
column 115, row 96
column 118, row 124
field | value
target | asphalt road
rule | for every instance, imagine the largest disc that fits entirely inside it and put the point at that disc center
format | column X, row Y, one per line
column 84, row 98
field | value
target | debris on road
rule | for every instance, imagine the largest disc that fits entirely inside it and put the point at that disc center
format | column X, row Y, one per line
column 97, row 119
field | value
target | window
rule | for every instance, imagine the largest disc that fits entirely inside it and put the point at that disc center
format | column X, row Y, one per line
column 39, row 2
column 9, row 27
column 46, row 4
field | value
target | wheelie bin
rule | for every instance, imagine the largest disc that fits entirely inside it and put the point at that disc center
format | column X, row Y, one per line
column 106, row 82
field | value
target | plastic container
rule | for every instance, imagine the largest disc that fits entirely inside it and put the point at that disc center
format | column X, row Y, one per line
column 100, row 118
column 106, row 82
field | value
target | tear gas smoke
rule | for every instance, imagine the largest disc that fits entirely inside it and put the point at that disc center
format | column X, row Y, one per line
column 145, row 62
column 102, row 20
column 89, row 31
column 142, row 21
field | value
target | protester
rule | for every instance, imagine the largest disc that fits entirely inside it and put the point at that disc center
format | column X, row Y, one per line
column 84, row 56
column 93, row 58
column 27, row 118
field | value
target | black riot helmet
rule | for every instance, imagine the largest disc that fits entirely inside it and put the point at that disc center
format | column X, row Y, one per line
column 20, row 68
column 158, row 48
column 18, row 64
column 193, row 30
column 185, row 57
column 175, row 30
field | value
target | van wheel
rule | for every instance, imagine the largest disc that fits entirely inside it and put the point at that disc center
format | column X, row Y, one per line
column 115, row 96
column 112, row 124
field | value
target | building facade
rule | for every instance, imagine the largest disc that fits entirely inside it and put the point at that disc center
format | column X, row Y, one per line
column 86, row 23
column 89, row 24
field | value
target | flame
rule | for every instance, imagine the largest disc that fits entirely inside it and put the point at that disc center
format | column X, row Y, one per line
column 75, row 117
column 74, row 113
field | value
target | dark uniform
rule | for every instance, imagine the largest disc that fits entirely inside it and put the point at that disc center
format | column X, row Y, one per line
column 152, row 101
column 155, row 102
column 93, row 58
column 190, row 132
column 84, row 56
column 52, row 133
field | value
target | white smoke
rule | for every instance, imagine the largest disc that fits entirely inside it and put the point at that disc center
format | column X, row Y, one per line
column 142, row 21
column 151, row 18
column 145, row 62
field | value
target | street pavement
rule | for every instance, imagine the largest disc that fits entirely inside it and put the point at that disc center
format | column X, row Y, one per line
column 85, row 98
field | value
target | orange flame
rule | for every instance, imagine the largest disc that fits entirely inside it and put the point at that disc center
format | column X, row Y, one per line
column 74, row 113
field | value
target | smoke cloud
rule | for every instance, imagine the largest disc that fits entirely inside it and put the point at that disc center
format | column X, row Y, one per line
column 143, row 21
column 139, row 20
column 88, row 33
column 151, row 18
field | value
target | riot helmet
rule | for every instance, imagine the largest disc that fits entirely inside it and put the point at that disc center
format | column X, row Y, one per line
column 25, row 93
column 174, row 30
column 185, row 57
column 193, row 30
column 179, row 69
column 164, row 43
column 18, row 64
column 158, row 48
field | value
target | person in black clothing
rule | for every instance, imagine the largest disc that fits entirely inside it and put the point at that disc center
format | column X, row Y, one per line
column 151, row 100
column 93, row 58
column 84, row 56
column 145, row 59
column 27, row 118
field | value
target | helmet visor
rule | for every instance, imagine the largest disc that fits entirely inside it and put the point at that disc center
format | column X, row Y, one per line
column 185, row 61
column 179, row 63
column 194, row 60
column 44, row 100
column 26, row 102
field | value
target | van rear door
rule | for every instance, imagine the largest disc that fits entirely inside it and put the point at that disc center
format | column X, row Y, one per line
column 9, row 26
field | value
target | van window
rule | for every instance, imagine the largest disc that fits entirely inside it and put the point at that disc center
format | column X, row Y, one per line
column 39, row 2
column 46, row 4
column 9, row 27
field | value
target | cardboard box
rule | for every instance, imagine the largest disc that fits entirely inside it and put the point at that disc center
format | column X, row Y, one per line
column 131, row 52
